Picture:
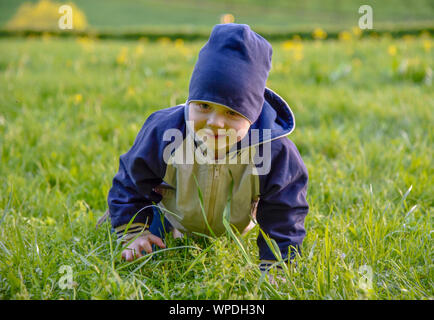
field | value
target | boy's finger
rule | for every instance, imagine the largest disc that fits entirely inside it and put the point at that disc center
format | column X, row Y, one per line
column 137, row 252
column 156, row 240
column 131, row 254
column 146, row 245
column 128, row 255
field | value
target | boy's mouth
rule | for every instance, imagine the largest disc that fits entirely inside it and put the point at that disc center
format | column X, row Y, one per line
column 216, row 136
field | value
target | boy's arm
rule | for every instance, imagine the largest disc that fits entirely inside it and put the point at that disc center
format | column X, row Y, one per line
column 140, row 170
column 282, row 207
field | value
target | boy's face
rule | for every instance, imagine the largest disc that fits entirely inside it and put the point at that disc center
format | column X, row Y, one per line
column 218, row 126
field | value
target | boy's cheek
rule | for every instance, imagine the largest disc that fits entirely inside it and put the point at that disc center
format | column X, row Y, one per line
column 198, row 124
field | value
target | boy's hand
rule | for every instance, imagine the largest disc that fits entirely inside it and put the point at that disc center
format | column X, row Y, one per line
column 275, row 279
column 142, row 243
column 274, row 273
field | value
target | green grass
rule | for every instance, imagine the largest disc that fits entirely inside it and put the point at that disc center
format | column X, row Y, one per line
column 280, row 14
column 364, row 118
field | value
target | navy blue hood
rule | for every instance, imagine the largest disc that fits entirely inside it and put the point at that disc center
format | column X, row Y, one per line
column 232, row 70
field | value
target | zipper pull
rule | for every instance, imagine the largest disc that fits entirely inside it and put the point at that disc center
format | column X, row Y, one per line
column 216, row 172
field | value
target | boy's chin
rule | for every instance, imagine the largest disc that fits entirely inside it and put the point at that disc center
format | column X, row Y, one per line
column 222, row 149
column 221, row 152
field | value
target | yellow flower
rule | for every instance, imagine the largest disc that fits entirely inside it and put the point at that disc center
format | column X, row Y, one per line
column 134, row 127
column 391, row 50
column 46, row 36
column 163, row 40
column 298, row 46
column 227, row 18
column 408, row 37
column 292, row 45
column 140, row 49
column 186, row 52
column 287, row 45
column 121, row 59
column 344, row 36
column 122, row 56
column 427, row 45
column 78, row 98
column 179, row 43
column 319, row 33
column 357, row 31
column 85, row 42
column 130, row 91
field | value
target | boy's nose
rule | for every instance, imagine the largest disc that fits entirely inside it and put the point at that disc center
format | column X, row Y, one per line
column 216, row 120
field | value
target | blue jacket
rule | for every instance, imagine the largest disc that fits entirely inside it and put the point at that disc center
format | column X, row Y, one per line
column 276, row 200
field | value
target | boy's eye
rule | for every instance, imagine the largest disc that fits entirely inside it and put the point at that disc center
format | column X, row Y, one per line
column 204, row 106
column 232, row 113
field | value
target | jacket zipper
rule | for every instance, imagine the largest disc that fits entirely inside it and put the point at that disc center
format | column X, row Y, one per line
column 213, row 196
column 216, row 171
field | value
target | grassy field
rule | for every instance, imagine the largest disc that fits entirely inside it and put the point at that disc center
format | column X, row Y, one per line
column 364, row 114
column 270, row 14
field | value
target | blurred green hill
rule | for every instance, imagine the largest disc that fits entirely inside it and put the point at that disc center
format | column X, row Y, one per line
column 264, row 14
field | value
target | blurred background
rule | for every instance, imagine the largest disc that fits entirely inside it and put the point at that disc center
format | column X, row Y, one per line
column 190, row 15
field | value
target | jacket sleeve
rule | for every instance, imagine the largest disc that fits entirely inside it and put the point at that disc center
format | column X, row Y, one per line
column 140, row 170
column 282, row 207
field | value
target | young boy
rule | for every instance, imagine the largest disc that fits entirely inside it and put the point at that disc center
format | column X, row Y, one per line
column 232, row 129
